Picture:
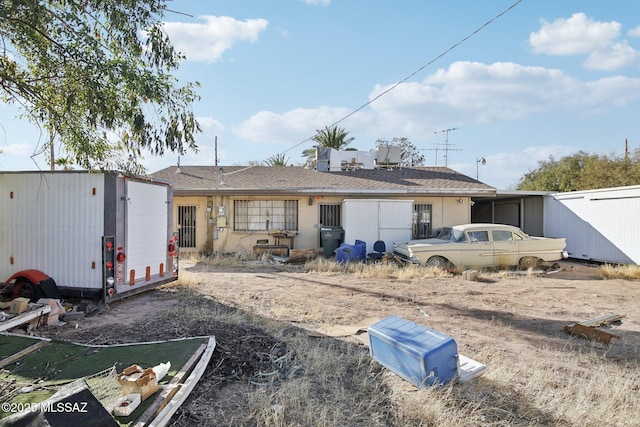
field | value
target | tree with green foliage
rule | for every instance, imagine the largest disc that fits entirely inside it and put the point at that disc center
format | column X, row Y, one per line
column 97, row 74
column 279, row 159
column 410, row 155
column 583, row 171
column 331, row 137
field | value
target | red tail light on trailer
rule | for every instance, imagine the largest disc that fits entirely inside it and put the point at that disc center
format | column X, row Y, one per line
column 173, row 252
column 108, row 260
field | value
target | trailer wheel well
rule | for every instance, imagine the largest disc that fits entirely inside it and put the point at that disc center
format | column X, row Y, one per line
column 25, row 288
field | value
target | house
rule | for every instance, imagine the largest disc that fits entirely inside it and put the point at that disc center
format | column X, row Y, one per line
column 234, row 208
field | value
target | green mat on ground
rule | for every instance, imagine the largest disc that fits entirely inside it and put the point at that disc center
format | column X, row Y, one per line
column 59, row 362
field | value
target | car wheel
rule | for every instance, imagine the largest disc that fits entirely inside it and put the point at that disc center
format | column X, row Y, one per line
column 438, row 262
column 528, row 262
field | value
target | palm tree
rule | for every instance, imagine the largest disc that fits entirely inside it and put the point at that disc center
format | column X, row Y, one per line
column 277, row 160
column 331, row 137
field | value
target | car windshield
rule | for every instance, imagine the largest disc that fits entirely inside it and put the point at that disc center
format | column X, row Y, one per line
column 452, row 235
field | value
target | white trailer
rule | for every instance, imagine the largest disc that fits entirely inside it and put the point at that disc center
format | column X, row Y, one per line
column 599, row 225
column 86, row 234
column 370, row 220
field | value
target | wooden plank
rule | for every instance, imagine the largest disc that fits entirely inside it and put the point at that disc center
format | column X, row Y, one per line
column 302, row 255
column 170, row 389
column 602, row 320
column 297, row 256
column 24, row 318
column 590, row 333
column 163, row 418
column 24, row 352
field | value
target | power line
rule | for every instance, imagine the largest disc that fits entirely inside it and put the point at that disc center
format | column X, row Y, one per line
column 381, row 94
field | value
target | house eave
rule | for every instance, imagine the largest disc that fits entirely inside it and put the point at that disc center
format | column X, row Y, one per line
column 346, row 192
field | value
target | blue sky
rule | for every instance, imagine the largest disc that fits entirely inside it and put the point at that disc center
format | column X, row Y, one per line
column 547, row 78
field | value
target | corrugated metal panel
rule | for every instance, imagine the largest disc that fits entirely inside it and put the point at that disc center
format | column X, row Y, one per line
column 599, row 225
column 54, row 224
column 614, row 216
column 533, row 221
column 508, row 213
column 146, row 229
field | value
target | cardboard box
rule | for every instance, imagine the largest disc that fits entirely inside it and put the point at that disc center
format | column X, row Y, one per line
column 422, row 356
column 19, row 305
column 57, row 310
column 134, row 379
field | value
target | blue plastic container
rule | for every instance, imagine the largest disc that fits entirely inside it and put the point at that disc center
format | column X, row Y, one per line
column 348, row 253
column 345, row 253
column 420, row 355
column 361, row 250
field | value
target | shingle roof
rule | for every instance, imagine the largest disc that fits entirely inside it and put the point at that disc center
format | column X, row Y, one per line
column 234, row 180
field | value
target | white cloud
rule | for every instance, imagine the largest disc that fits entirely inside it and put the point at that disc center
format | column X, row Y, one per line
column 207, row 41
column 466, row 92
column 299, row 123
column 576, row 35
column 505, row 169
column 614, row 57
column 318, row 2
column 209, row 123
column 634, row 32
column 17, row 149
column 477, row 92
column 580, row 35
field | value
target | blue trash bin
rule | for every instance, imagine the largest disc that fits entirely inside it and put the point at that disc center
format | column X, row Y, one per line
column 345, row 253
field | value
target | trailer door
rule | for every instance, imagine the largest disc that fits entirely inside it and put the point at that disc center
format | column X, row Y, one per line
column 146, row 228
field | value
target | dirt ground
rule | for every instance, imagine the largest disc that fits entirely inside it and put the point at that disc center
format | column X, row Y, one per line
column 515, row 313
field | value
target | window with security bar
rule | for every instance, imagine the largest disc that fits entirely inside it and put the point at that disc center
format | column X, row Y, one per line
column 421, row 226
column 186, row 226
column 264, row 215
column 330, row 215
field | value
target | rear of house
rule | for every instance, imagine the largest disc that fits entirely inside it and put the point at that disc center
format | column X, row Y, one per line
column 234, row 209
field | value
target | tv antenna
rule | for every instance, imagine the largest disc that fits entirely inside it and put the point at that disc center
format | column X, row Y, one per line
column 446, row 144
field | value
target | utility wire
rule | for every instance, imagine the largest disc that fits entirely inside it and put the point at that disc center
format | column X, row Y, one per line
column 381, row 94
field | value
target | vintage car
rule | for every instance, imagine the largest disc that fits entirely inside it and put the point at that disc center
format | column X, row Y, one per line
column 468, row 246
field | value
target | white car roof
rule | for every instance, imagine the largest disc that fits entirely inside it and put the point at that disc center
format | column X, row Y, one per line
column 466, row 227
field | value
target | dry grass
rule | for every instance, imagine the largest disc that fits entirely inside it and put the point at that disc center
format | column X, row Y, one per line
column 626, row 272
column 378, row 270
column 341, row 386
column 561, row 389
column 337, row 383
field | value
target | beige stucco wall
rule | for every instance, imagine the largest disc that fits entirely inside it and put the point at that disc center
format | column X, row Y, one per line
column 213, row 236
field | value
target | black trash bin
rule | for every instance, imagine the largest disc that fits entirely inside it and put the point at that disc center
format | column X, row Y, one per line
column 331, row 238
